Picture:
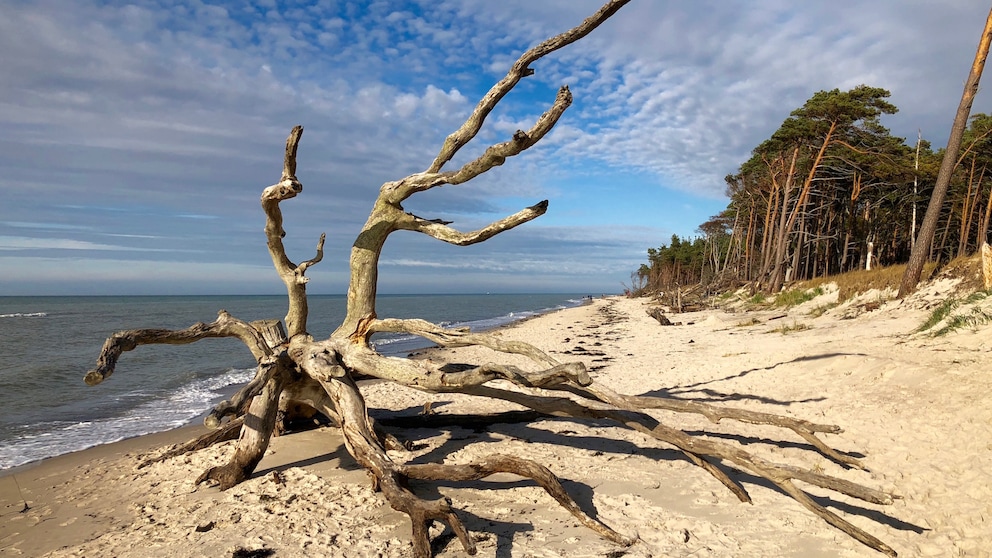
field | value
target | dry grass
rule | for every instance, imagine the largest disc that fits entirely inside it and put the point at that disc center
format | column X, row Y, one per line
column 853, row 283
column 822, row 309
column 796, row 326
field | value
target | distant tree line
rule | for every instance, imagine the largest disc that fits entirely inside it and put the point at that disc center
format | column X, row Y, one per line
column 829, row 192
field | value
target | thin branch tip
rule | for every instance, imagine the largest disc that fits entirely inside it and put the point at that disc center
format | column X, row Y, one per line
column 289, row 162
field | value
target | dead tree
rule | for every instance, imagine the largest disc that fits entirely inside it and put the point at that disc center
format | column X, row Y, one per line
column 294, row 367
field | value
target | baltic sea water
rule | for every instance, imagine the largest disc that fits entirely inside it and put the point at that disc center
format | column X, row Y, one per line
column 49, row 343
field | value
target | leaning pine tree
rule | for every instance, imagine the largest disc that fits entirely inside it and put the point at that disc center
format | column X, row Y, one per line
column 296, row 368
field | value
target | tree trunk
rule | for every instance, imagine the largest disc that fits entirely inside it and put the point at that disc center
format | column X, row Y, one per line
column 929, row 226
column 983, row 230
column 783, row 228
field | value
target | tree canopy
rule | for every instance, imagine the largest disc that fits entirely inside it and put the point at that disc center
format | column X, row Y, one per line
column 832, row 190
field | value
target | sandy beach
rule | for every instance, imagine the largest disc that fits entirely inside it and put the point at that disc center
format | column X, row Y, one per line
column 916, row 406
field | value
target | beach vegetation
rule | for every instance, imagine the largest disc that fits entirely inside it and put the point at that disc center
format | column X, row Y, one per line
column 795, row 297
column 790, row 328
column 833, row 192
column 938, row 314
column 860, row 281
column 974, row 318
column 822, row 309
column 945, row 315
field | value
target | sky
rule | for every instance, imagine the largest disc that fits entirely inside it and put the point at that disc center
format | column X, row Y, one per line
column 136, row 138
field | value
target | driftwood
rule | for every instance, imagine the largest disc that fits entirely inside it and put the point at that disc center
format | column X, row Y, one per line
column 296, row 368
column 657, row 314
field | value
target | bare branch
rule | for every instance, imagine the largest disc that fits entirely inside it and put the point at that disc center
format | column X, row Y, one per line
column 302, row 268
column 519, row 70
column 267, row 368
column 224, row 326
column 289, row 161
column 441, row 231
column 493, row 156
column 424, row 375
column 292, row 275
column 460, row 338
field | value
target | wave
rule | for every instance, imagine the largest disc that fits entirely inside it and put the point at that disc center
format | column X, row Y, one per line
column 175, row 409
column 25, row 315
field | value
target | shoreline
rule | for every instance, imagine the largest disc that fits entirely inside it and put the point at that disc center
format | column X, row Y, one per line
column 47, row 439
column 914, row 406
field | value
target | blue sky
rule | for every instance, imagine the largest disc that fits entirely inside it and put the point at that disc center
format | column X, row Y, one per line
column 136, row 138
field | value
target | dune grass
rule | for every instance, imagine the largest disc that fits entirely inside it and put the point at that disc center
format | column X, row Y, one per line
column 795, row 297
column 949, row 321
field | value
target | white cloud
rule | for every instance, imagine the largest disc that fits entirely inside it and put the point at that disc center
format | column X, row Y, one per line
column 23, row 243
column 181, row 109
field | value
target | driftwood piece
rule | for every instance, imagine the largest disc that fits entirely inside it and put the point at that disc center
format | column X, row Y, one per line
column 657, row 314
column 295, row 368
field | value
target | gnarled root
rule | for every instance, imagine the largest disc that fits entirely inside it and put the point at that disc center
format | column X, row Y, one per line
column 390, row 477
column 228, row 431
column 259, row 422
column 493, row 464
column 700, row 451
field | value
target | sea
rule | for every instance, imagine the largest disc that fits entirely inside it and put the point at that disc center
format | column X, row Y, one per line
column 49, row 343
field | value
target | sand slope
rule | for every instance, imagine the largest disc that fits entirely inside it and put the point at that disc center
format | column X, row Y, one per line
column 918, row 407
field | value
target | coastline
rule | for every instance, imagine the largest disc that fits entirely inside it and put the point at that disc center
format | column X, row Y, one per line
column 163, row 387
column 916, row 407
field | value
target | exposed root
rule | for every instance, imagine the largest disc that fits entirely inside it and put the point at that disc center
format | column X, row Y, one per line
column 259, row 423
column 715, row 413
column 225, row 433
column 540, row 474
column 699, row 449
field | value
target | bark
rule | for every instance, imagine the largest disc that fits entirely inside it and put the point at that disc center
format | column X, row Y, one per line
column 294, row 368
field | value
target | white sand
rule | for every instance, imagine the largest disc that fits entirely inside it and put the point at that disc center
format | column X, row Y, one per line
column 918, row 408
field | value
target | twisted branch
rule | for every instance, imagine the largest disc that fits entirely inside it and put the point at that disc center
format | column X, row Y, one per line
column 292, row 275
column 520, row 69
column 224, row 326
column 441, row 231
